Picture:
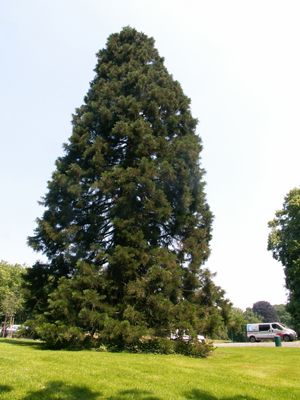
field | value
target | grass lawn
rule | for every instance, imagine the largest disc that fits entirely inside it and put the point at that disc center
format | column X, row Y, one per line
column 28, row 372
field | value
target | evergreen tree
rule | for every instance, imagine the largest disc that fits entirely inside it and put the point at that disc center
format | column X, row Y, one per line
column 127, row 227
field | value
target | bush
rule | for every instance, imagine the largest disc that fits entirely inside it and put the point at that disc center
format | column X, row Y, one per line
column 117, row 336
column 191, row 349
column 159, row 346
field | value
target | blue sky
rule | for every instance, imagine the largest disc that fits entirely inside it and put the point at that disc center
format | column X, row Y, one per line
column 238, row 61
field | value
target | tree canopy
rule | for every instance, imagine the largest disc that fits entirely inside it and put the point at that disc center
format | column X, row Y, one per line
column 283, row 315
column 284, row 242
column 265, row 310
column 126, row 226
column 11, row 291
column 252, row 317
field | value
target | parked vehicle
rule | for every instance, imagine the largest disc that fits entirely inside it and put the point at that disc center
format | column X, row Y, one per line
column 200, row 338
column 268, row 331
column 186, row 338
column 13, row 329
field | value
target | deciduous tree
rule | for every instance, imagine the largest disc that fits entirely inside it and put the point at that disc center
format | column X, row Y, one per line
column 11, row 291
column 284, row 242
column 283, row 315
column 251, row 317
column 265, row 310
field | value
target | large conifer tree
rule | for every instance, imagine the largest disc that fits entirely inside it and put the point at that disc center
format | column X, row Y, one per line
column 126, row 226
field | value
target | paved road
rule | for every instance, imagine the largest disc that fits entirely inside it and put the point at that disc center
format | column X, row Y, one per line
column 257, row 344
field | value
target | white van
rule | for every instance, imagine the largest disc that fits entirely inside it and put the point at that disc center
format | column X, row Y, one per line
column 269, row 330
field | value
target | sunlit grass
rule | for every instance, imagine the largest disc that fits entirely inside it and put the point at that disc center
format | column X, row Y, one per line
column 28, row 372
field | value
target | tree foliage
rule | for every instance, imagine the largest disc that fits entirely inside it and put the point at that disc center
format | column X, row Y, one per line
column 126, row 227
column 251, row 317
column 11, row 291
column 284, row 242
column 265, row 310
column 238, row 321
column 236, row 326
column 283, row 315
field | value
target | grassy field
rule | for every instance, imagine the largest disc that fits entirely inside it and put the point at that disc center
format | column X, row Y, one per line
column 28, row 372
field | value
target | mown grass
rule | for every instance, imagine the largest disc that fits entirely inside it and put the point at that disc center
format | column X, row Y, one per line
column 28, row 372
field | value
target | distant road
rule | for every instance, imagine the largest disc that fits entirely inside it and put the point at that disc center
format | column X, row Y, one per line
column 257, row 344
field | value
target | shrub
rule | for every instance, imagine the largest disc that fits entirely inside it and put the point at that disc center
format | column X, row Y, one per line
column 159, row 346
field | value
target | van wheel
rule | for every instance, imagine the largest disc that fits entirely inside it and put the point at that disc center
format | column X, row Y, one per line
column 252, row 339
column 286, row 338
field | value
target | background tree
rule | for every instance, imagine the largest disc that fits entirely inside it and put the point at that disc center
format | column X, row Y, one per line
column 12, row 303
column 284, row 242
column 237, row 325
column 11, row 292
column 216, row 308
column 265, row 310
column 251, row 317
column 238, row 321
column 283, row 315
column 127, row 227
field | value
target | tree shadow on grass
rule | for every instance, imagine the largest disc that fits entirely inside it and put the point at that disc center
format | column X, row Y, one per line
column 5, row 388
column 133, row 394
column 196, row 394
column 25, row 342
column 59, row 390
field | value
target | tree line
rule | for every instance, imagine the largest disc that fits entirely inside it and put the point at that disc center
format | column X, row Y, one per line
column 261, row 311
